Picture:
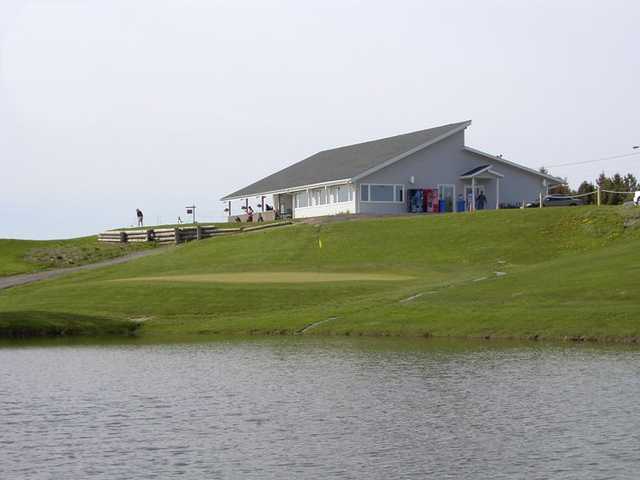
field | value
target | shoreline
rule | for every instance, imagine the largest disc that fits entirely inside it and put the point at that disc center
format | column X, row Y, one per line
column 131, row 330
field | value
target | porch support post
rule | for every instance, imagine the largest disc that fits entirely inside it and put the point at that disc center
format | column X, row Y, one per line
column 473, row 194
column 497, row 193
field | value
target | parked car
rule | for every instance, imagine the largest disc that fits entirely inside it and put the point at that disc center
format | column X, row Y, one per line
column 636, row 198
column 557, row 201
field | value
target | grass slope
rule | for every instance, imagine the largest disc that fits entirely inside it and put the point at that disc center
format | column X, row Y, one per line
column 563, row 272
column 27, row 256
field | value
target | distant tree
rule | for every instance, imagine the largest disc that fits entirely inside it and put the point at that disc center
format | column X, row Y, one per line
column 616, row 183
column 587, row 187
column 618, row 186
column 630, row 183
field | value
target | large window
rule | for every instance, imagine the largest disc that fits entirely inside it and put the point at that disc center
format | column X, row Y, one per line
column 364, row 192
column 316, row 195
column 344, row 193
column 381, row 193
column 302, row 199
column 323, row 196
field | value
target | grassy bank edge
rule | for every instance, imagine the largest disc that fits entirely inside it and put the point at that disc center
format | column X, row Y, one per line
column 79, row 327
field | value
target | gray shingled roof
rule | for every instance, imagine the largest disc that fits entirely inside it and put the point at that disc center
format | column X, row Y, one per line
column 344, row 162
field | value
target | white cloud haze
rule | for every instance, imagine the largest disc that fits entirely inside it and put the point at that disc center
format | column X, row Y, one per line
column 109, row 106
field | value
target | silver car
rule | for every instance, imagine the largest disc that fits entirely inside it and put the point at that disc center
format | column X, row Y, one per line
column 557, row 201
column 553, row 201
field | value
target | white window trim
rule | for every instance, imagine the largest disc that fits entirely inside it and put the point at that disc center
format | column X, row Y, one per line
column 394, row 185
column 309, row 197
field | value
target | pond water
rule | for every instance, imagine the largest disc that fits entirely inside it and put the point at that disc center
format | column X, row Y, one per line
column 319, row 408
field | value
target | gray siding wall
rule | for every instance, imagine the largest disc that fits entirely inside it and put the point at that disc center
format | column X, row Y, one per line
column 443, row 163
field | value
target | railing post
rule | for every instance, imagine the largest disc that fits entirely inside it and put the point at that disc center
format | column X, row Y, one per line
column 123, row 237
column 198, row 232
column 176, row 232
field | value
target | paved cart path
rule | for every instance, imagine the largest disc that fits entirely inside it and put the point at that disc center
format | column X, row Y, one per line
column 15, row 280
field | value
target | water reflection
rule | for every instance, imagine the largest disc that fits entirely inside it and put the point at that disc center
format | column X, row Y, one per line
column 318, row 408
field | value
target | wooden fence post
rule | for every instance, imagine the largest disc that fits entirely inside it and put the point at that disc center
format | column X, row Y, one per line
column 123, row 237
column 177, row 235
column 198, row 232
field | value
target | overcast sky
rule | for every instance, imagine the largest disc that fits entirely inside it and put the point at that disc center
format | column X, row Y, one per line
column 109, row 106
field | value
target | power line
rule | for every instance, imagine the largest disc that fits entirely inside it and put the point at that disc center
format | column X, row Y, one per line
column 594, row 160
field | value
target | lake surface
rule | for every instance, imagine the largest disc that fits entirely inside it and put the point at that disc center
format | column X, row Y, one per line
column 319, row 408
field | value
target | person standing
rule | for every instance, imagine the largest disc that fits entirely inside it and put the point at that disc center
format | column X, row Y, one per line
column 481, row 201
column 140, row 217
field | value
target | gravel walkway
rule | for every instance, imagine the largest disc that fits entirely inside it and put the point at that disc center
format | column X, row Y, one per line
column 14, row 280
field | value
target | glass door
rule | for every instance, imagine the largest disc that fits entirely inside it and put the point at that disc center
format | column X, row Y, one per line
column 447, row 197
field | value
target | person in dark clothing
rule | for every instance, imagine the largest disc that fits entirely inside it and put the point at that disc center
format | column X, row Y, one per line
column 140, row 217
column 481, row 201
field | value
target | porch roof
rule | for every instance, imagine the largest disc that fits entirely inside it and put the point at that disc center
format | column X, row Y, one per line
column 482, row 171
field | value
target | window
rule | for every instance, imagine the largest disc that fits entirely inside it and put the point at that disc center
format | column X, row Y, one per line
column 399, row 193
column 382, row 193
column 343, row 193
column 364, row 192
column 316, row 196
column 302, row 199
column 332, row 194
column 323, row 196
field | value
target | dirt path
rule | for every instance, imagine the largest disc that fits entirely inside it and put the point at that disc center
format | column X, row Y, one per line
column 15, row 280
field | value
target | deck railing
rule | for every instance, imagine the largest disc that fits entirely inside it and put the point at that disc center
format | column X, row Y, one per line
column 177, row 234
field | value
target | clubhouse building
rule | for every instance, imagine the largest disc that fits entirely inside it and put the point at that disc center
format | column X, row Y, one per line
column 429, row 170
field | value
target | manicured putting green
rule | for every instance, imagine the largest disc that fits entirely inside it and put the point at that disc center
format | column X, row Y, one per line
column 272, row 277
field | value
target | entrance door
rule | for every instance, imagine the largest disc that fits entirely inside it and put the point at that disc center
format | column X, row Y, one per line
column 447, row 195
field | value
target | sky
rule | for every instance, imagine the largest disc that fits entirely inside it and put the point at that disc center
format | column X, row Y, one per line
column 106, row 107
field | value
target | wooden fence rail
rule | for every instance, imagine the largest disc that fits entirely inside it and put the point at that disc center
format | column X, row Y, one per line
column 178, row 234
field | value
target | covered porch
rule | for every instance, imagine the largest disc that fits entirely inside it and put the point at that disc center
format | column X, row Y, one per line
column 481, row 188
column 265, row 208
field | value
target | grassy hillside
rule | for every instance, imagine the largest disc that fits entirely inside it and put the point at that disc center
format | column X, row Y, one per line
column 550, row 273
column 26, row 256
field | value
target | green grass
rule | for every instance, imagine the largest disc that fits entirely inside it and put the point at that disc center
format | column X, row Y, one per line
column 566, row 272
column 27, row 256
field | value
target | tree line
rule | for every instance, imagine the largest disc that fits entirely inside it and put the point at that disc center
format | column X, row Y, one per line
column 616, row 182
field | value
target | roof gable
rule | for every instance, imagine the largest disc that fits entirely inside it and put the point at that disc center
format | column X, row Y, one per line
column 557, row 180
column 345, row 163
